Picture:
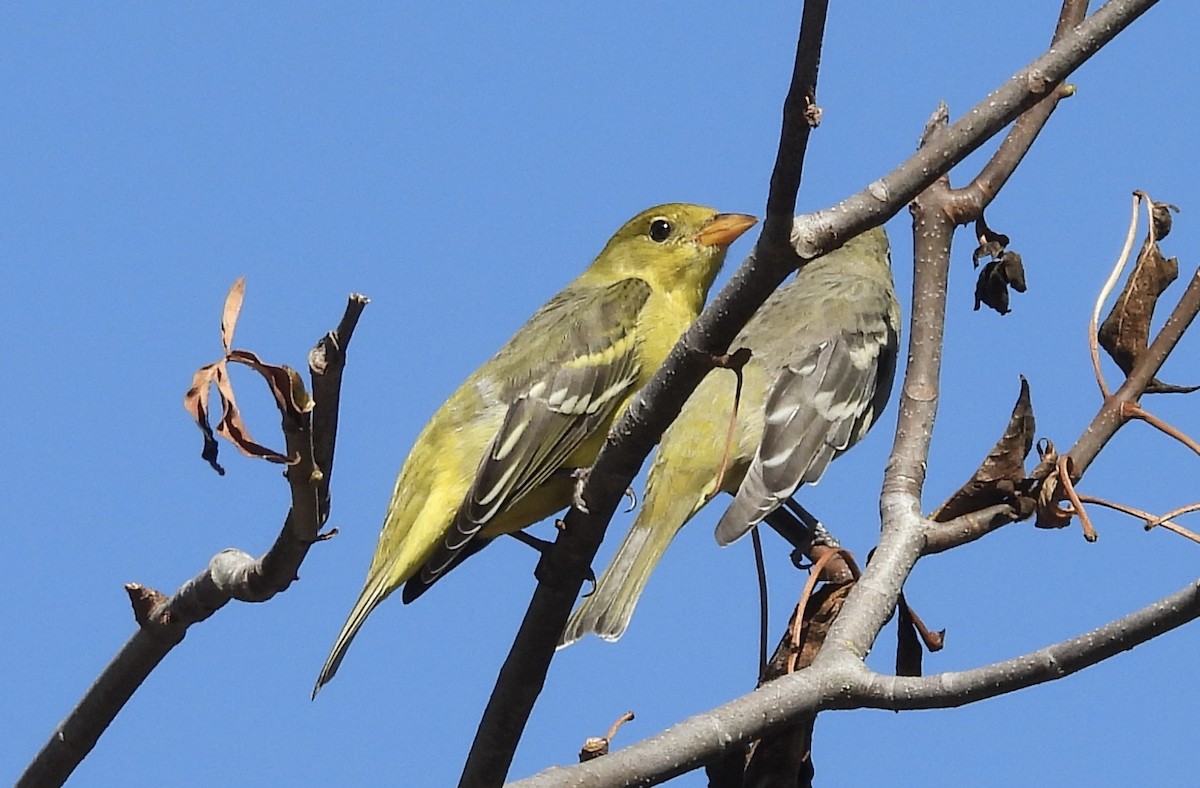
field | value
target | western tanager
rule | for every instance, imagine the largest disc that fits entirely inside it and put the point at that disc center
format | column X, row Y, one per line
column 823, row 358
column 497, row 456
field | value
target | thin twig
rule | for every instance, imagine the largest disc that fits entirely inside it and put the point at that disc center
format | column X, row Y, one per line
column 760, row 569
column 735, row 361
column 1134, row 410
column 1109, row 284
column 1163, row 519
column 1150, row 520
column 814, row 574
column 1067, row 486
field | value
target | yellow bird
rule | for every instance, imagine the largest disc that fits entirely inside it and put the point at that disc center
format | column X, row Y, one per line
column 496, row 457
column 823, row 359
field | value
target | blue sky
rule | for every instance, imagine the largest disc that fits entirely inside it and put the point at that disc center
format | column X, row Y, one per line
column 458, row 165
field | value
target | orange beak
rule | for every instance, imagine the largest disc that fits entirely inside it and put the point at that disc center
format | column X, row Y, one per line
column 725, row 228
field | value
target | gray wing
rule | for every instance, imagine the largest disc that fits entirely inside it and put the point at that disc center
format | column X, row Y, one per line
column 820, row 405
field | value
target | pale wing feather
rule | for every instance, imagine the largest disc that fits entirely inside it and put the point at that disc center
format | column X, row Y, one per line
column 554, row 412
column 814, row 412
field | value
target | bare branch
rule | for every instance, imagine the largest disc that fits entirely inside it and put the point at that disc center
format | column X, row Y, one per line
column 949, row 690
column 940, row 537
column 231, row 574
column 849, row 686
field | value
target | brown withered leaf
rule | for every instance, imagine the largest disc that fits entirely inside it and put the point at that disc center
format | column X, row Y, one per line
column 233, row 428
column 285, row 384
column 908, row 643
column 1125, row 333
column 1003, row 271
column 231, row 311
column 785, row 757
column 195, row 402
column 1051, row 493
column 997, row 276
column 911, row 635
column 1002, row 476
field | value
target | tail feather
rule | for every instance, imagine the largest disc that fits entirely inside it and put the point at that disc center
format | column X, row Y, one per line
column 668, row 507
column 372, row 594
column 607, row 610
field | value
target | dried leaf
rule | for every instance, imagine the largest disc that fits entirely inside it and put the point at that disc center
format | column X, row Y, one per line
column 1001, row 478
column 1004, row 270
column 991, row 289
column 285, row 383
column 908, row 643
column 195, row 402
column 1125, row 333
column 233, row 308
column 911, row 635
column 233, row 428
column 785, row 757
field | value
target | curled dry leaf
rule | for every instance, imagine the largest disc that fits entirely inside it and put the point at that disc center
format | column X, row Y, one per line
column 233, row 309
column 991, row 288
column 911, row 634
column 1001, row 478
column 1051, row 495
column 785, row 757
column 1004, row 270
column 285, row 384
column 195, row 402
column 1125, row 333
column 909, row 653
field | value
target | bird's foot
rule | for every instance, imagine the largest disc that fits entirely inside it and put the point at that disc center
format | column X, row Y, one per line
column 580, row 475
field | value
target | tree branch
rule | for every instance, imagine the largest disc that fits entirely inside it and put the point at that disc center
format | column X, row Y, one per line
column 949, row 690
column 966, row 528
column 936, row 212
column 1110, row 418
column 231, row 574
column 700, row 738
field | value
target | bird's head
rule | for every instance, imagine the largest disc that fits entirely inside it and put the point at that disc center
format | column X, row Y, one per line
column 676, row 248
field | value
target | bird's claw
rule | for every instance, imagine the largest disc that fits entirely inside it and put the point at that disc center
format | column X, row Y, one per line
column 590, row 578
column 580, row 475
column 633, row 501
column 800, row 560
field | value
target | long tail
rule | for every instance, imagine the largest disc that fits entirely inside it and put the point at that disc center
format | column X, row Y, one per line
column 670, row 502
column 372, row 594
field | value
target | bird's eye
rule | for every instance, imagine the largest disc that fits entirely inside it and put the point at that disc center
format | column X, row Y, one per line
column 659, row 230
